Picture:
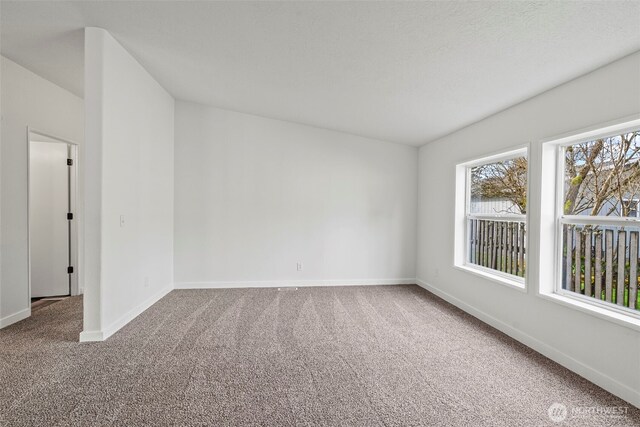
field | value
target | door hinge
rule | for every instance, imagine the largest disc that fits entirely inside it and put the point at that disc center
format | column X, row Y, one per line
column 69, row 162
column 69, row 216
column 70, row 270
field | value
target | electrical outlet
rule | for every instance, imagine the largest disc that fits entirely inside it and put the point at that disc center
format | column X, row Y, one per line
column 299, row 266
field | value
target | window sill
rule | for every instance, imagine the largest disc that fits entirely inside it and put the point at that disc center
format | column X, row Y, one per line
column 595, row 310
column 515, row 283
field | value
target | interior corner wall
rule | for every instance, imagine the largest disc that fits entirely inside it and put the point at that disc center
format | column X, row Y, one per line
column 255, row 196
column 601, row 351
column 129, row 187
column 28, row 101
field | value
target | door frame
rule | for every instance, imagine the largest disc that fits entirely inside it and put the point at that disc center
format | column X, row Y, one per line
column 74, row 286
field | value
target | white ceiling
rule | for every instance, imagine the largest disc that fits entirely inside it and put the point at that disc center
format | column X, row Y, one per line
column 406, row 72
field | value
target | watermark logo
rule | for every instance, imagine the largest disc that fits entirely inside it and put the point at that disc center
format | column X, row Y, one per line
column 557, row 412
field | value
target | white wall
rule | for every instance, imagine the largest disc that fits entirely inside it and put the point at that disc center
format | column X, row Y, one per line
column 254, row 196
column 28, row 100
column 602, row 351
column 129, row 173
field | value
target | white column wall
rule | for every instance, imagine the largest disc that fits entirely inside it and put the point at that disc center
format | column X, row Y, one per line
column 129, row 187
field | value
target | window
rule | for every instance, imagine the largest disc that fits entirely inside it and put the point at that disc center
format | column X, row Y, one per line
column 598, row 223
column 495, row 209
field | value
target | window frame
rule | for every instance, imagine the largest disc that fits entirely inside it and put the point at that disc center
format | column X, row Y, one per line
column 461, row 260
column 561, row 219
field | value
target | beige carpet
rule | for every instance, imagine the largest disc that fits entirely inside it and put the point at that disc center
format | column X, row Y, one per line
column 391, row 355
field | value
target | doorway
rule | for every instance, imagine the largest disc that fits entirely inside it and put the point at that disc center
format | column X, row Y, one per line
column 53, row 247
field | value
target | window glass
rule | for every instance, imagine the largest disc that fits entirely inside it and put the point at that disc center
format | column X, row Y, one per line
column 499, row 187
column 602, row 177
column 599, row 219
column 496, row 220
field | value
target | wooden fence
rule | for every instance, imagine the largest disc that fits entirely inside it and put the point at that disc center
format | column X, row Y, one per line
column 602, row 263
column 499, row 245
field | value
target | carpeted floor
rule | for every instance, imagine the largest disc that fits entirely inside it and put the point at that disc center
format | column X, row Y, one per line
column 388, row 355
column 44, row 302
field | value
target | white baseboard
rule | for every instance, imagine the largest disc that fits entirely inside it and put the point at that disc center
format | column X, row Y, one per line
column 606, row 382
column 102, row 335
column 90, row 336
column 15, row 317
column 291, row 283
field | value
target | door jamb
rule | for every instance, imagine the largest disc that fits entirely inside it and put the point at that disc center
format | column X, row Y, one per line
column 73, row 200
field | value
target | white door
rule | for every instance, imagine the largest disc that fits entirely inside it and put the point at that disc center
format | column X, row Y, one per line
column 48, row 223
